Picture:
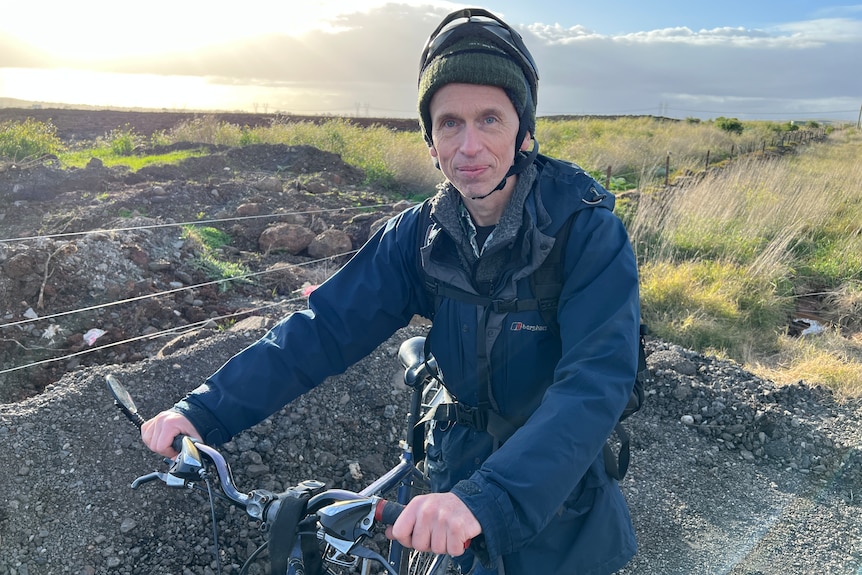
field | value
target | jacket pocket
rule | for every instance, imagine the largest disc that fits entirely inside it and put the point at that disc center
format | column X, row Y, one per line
column 453, row 453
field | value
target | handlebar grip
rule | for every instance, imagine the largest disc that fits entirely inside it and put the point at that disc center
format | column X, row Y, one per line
column 178, row 443
column 387, row 512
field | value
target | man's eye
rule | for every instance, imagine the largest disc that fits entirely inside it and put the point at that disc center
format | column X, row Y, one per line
column 449, row 124
column 490, row 120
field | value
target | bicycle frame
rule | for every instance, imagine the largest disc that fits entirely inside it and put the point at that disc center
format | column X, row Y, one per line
column 427, row 393
column 401, row 477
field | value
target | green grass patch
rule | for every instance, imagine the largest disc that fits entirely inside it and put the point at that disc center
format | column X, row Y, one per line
column 207, row 242
column 206, row 237
column 80, row 158
column 217, row 269
column 124, row 141
column 715, row 306
column 127, row 212
column 29, row 139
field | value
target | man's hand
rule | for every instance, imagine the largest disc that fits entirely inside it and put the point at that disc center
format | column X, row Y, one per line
column 159, row 432
column 439, row 522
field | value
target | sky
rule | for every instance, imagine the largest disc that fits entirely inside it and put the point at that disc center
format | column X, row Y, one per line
column 750, row 59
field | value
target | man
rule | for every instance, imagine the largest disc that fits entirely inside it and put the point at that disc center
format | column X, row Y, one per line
column 524, row 479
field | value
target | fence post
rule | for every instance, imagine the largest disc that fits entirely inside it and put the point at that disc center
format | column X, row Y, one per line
column 608, row 179
column 667, row 170
column 706, row 167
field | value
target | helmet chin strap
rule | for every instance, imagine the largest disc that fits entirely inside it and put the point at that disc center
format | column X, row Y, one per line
column 523, row 160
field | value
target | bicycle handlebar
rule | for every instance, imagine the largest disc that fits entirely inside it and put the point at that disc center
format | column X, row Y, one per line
column 344, row 515
column 387, row 512
column 343, row 518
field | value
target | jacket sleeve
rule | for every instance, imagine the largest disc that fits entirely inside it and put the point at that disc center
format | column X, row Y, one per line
column 348, row 316
column 522, row 485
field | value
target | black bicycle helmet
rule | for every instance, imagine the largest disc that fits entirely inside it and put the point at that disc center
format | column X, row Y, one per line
column 497, row 56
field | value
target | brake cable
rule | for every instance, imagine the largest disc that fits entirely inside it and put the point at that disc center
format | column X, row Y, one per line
column 215, row 524
column 252, row 558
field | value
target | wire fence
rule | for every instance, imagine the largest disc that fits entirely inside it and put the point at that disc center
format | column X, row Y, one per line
column 712, row 157
column 789, row 138
column 174, row 331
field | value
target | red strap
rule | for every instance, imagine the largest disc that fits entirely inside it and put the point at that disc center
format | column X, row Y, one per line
column 378, row 510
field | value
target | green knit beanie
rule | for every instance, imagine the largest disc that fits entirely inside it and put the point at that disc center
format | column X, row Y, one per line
column 474, row 61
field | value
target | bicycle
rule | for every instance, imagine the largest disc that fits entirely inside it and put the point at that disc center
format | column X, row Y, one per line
column 311, row 530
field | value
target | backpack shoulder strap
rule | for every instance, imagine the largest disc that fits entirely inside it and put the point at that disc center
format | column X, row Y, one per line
column 547, row 281
column 423, row 230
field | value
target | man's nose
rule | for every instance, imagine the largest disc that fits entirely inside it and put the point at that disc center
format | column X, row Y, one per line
column 471, row 141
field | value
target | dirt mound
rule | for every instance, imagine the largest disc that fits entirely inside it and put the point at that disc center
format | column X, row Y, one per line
column 54, row 259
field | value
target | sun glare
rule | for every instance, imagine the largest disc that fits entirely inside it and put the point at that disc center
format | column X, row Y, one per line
column 72, row 56
column 98, row 30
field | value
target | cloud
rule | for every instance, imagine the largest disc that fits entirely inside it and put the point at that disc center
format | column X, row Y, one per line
column 358, row 47
column 826, row 30
column 722, row 70
column 372, row 56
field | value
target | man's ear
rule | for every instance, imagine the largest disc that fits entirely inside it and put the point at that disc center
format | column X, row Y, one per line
column 433, row 151
column 436, row 160
column 527, row 143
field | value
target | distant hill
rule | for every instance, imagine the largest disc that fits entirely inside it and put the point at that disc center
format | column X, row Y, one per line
column 32, row 105
column 15, row 103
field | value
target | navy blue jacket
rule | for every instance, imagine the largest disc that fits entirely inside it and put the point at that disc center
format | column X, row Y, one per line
column 543, row 499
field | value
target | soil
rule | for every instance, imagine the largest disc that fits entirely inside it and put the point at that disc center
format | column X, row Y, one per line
column 54, row 263
column 75, row 125
column 729, row 474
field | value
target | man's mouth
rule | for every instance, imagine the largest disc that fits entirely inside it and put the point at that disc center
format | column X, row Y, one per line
column 472, row 171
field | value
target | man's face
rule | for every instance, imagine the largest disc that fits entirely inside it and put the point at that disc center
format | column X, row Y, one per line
column 473, row 132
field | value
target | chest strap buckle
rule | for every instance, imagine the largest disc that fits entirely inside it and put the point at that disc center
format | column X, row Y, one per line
column 464, row 414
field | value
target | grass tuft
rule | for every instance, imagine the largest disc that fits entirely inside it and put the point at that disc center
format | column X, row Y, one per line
column 30, row 139
column 207, row 242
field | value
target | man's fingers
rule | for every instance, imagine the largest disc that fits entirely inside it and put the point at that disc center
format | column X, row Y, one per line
column 438, row 522
column 159, row 432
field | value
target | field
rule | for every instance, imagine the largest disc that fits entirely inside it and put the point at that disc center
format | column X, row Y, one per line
column 737, row 257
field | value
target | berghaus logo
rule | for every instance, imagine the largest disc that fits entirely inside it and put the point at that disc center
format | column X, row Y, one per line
column 521, row 326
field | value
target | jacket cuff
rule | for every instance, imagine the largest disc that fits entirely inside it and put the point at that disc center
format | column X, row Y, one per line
column 212, row 433
column 489, row 506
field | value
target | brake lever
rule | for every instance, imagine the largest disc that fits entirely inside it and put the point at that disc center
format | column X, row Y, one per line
column 147, row 478
column 352, row 549
column 365, row 553
column 165, row 478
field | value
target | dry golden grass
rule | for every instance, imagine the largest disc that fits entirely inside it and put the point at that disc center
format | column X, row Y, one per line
column 724, row 258
column 637, row 148
column 831, row 359
column 771, row 232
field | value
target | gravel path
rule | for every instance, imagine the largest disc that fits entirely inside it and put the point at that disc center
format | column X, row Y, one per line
column 764, row 480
